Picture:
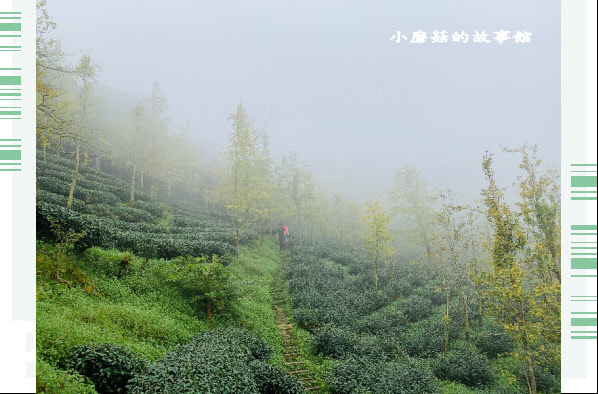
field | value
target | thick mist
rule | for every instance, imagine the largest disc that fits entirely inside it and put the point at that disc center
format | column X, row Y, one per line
column 325, row 80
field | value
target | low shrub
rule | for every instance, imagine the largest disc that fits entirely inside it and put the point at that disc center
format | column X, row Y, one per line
column 417, row 308
column 271, row 379
column 366, row 376
column 388, row 321
column 493, row 340
column 217, row 361
column 424, row 338
column 108, row 366
column 463, row 366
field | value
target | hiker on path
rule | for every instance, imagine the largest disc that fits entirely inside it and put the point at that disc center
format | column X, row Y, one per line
column 280, row 233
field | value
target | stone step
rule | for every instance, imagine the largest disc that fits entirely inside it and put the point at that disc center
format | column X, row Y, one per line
column 299, row 371
column 294, row 362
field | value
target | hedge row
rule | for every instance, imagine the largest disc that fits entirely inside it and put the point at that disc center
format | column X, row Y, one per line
column 102, row 233
column 231, row 360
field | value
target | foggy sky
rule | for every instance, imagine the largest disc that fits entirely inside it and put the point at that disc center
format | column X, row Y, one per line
column 332, row 86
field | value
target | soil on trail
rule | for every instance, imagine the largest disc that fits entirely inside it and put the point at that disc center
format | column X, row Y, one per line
column 293, row 358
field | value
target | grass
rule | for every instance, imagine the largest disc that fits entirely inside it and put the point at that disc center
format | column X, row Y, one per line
column 137, row 308
column 259, row 264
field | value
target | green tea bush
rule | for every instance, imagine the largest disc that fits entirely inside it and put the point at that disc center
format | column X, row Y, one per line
column 271, row 379
column 366, row 376
column 417, row 308
column 217, row 361
column 124, row 213
column 342, row 342
column 108, row 366
column 463, row 366
column 424, row 338
column 493, row 340
column 109, row 234
column 389, row 321
column 57, row 199
column 334, row 341
column 157, row 209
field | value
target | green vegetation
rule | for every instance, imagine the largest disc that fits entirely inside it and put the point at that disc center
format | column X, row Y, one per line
column 159, row 272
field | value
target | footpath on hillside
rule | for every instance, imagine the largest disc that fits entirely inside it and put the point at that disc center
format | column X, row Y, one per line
column 293, row 358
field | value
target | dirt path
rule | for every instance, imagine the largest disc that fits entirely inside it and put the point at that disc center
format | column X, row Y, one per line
column 292, row 353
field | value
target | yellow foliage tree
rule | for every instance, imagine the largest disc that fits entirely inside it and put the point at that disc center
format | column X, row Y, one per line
column 376, row 237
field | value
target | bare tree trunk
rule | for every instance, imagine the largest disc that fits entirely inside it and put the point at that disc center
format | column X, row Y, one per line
column 447, row 324
column 210, row 314
column 74, row 177
column 132, row 199
column 530, row 375
column 465, row 314
column 141, row 178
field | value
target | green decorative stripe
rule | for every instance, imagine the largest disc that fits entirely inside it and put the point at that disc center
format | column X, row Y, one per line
column 10, row 80
column 10, row 35
column 583, row 276
column 584, row 181
column 10, row 164
column 10, row 169
column 10, row 112
column 18, row 139
column 583, row 254
column 10, row 94
column 11, row 12
column 584, row 321
column 583, row 313
column 583, row 264
column 584, row 332
column 584, row 227
column 583, row 191
column 9, row 69
column 10, row 146
column 584, row 300
column 584, row 165
column 580, row 242
column 6, row 154
column 583, row 247
column 585, row 296
column 583, row 198
column 584, row 233
column 588, row 337
column 10, row 27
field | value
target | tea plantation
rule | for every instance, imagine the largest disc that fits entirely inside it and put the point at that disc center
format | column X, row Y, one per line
column 151, row 296
column 147, row 227
column 393, row 340
column 123, row 309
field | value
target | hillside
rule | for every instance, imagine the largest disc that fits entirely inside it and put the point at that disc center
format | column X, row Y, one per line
column 123, row 280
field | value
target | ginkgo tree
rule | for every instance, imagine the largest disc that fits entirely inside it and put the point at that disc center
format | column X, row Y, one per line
column 509, row 286
column 80, row 132
column 376, row 237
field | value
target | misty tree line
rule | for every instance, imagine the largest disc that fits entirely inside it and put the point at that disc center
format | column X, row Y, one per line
column 502, row 257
